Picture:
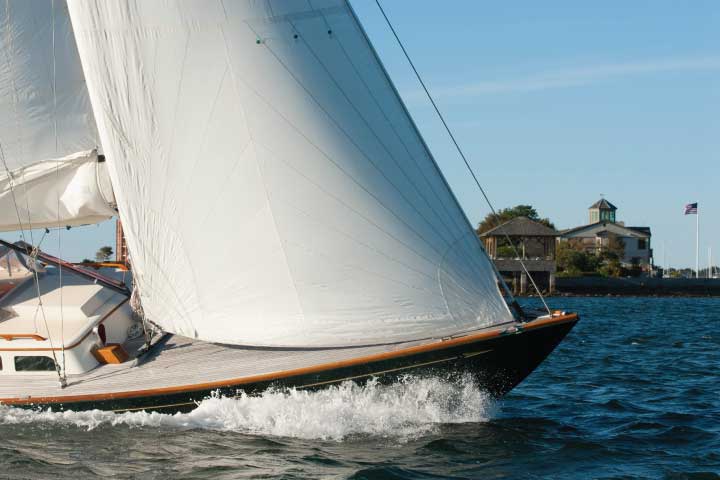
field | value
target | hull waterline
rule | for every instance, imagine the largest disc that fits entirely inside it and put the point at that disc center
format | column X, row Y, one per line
column 498, row 359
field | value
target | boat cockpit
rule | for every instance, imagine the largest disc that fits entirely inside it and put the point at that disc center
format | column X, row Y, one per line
column 55, row 318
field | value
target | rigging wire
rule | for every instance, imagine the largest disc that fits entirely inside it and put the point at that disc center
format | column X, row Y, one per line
column 450, row 243
column 453, row 242
column 35, row 250
column 57, row 177
column 460, row 151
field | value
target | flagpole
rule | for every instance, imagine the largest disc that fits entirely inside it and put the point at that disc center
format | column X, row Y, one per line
column 697, row 244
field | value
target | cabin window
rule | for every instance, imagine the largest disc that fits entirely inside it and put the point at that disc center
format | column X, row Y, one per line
column 642, row 244
column 34, row 364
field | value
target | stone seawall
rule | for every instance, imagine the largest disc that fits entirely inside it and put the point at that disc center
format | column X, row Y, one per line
column 701, row 287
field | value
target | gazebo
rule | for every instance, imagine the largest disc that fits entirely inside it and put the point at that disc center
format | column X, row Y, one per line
column 535, row 245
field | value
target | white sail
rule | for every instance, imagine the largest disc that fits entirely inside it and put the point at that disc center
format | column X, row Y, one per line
column 70, row 191
column 46, row 122
column 272, row 187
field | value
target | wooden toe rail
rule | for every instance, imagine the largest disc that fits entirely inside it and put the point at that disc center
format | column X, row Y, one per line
column 17, row 336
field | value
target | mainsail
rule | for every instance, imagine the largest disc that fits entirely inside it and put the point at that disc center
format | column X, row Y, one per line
column 49, row 170
column 273, row 188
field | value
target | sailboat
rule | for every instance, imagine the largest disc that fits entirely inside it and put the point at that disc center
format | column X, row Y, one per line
column 286, row 223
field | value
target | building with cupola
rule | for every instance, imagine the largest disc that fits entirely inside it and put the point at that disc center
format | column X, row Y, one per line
column 602, row 211
column 603, row 228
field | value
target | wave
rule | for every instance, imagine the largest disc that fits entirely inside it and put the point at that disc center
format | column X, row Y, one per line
column 409, row 407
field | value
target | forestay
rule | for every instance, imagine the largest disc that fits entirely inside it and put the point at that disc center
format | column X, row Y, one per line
column 49, row 175
column 272, row 187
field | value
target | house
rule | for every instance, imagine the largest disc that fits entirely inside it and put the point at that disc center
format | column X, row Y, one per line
column 603, row 228
column 535, row 245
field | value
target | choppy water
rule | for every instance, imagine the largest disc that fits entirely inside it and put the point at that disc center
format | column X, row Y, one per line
column 633, row 392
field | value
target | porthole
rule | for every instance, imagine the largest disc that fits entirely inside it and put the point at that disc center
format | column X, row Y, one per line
column 34, row 364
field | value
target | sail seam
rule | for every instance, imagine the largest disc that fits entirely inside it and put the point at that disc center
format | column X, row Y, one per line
column 203, row 140
column 427, row 149
column 339, row 41
column 347, row 235
column 367, row 157
column 382, row 144
column 174, row 122
column 467, row 164
column 343, row 170
column 395, row 214
column 382, row 173
column 260, row 170
column 454, row 238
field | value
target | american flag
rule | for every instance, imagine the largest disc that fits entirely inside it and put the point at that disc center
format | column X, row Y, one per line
column 691, row 209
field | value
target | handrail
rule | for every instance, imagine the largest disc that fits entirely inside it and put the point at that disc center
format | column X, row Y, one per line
column 14, row 336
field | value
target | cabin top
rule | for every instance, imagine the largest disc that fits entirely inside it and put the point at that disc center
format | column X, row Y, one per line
column 68, row 322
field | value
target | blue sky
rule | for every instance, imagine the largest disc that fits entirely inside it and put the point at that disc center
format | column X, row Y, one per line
column 556, row 103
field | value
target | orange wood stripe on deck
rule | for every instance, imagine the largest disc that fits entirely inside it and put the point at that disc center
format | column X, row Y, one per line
column 119, row 266
column 440, row 345
column 541, row 322
column 16, row 336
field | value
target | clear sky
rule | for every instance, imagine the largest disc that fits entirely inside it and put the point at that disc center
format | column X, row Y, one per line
column 556, row 103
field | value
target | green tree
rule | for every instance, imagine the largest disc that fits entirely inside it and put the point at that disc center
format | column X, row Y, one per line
column 104, row 254
column 614, row 249
column 574, row 260
column 612, row 268
column 506, row 214
column 570, row 257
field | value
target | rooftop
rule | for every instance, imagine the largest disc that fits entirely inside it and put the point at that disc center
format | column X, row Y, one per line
column 603, row 204
column 521, row 227
column 641, row 230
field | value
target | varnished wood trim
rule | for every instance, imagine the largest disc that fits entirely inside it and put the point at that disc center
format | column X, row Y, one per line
column 69, row 347
column 96, row 265
column 16, row 336
column 544, row 321
column 268, row 377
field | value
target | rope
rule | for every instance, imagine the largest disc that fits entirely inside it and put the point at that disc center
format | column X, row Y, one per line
column 460, row 151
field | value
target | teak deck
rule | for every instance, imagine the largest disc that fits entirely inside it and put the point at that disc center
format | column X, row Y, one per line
column 177, row 365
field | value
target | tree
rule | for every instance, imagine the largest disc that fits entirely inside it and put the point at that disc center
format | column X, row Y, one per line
column 573, row 260
column 104, row 254
column 506, row 214
column 614, row 249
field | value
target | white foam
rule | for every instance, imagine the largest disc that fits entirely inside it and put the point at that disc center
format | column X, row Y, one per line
column 407, row 408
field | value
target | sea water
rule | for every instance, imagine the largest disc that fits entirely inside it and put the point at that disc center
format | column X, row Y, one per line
column 633, row 392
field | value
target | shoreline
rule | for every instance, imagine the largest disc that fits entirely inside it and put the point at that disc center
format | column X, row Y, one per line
column 623, row 295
